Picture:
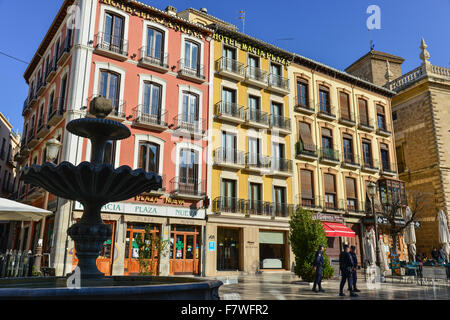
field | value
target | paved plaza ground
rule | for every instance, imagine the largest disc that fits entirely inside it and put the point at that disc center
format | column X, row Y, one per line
column 287, row 286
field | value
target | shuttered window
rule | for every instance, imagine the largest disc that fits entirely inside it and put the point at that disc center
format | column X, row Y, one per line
column 306, row 137
column 351, row 188
column 363, row 113
column 344, row 104
column 329, row 183
column 326, row 133
column 306, row 182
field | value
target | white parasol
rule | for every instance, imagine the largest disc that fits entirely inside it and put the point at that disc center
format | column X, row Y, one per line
column 444, row 235
column 16, row 211
column 410, row 234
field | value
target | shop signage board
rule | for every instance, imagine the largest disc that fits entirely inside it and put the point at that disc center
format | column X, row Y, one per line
column 147, row 209
column 211, row 246
column 328, row 217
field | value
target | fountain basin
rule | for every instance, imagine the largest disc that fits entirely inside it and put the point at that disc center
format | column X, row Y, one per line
column 121, row 288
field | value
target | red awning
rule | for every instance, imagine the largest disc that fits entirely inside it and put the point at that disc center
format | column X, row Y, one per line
column 334, row 229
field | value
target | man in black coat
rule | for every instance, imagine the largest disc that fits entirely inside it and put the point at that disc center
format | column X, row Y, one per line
column 346, row 266
column 355, row 267
column 317, row 266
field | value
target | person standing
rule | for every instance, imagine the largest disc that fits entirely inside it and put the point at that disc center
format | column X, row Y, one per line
column 355, row 267
column 346, row 266
column 318, row 268
column 435, row 255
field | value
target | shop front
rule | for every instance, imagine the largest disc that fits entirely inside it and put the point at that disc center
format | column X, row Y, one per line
column 228, row 249
column 272, row 249
column 185, row 243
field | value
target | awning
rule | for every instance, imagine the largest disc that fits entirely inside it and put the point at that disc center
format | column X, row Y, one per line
column 335, row 229
column 16, row 211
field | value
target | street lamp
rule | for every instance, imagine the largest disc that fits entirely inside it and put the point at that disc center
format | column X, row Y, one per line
column 52, row 147
column 372, row 189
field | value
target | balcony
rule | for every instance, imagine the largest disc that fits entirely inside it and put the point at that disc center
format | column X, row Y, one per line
column 33, row 140
column 145, row 119
column 308, row 203
column 388, row 168
column 24, row 151
column 349, row 161
column 256, row 77
column 186, row 188
column 370, row 165
column 229, row 111
column 26, row 107
column 29, row 103
column 366, row 125
column 326, row 112
column 111, row 46
column 280, row 167
column 41, row 85
column 278, row 84
column 229, row 158
column 348, row 120
column 230, row 68
column 154, row 60
column 257, row 207
column 51, row 71
column 56, row 114
column 256, row 162
column 64, row 51
column 281, row 124
column 383, row 131
column 256, row 118
column 305, row 152
column 353, row 206
column 43, row 128
column 228, row 205
column 305, row 107
column 189, row 125
column 329, row 156
column 283, row 210
column 336, row 206
column 192, row 72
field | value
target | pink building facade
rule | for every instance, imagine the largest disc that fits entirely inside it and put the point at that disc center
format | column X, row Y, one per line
column 154, row 66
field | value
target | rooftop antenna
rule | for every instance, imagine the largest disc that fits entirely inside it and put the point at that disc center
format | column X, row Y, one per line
column 372, row 45
column 242, row 17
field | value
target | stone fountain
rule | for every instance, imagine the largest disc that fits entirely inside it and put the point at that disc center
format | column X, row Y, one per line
column 95, row 184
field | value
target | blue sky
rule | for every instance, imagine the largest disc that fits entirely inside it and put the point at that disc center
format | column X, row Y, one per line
column 329, row 31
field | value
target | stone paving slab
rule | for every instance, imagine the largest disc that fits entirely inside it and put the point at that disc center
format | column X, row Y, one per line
column 287, row 286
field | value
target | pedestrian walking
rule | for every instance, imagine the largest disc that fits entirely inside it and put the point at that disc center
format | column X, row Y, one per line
column 355, row 267
column 346, row 266
column 318, row 268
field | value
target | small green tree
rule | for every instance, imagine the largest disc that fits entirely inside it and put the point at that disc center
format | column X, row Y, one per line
column 306, row 234
column 147, row 248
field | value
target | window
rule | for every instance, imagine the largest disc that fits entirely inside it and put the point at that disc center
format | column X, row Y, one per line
column 254, row 109
column 330, row 191
column 363, row 112
column 152, row 100
column 381, row 119
column 277, row 115
column 307, row 143
column 352, row 201
column 228, row 195
column 57, row 47
column 2, row 152
column 149, row 156
column 394, row 115
column 189, row 168
column 367, row 153
column 229, row 59
column 275, row 75
column 278, row 157
column 51, row 104
column 190, row 112
column 348, row 148
column 191, row 56
column 41, row 116
column 307, row 188
column 400, row 158
column 254, row 151
column 280, row 201
column 324, row 99
column 344, row 104
column 155, row 43
column 255, row 203
column 113, row 32
column 228, row 97
column 229, row 147
column 327, row 143
column 110, row 152
column 253, row 67
column 109, row 87
column 302, row 93
column 62, row 94
column 385, row 157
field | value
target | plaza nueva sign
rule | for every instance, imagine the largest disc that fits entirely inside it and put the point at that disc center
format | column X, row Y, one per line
column 147, row 209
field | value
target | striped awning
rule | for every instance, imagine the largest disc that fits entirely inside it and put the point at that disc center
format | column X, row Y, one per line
column 335, row 229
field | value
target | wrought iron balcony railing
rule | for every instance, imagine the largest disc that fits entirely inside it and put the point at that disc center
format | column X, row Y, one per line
column 151, row 57
column 230, row 66
column 144, row 115
column 189, row 69
column 114, row 44
column 190, row 123
column 278, row 82
column 329, row 154
column 229, row 156
column 305, row 149
column 230, row 109
column 187, row 186
column 280, row 122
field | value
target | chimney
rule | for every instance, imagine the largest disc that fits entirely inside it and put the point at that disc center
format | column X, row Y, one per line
column 204, row 10
column 171, row 10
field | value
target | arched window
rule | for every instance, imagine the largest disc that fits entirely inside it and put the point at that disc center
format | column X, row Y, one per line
column 155, row 43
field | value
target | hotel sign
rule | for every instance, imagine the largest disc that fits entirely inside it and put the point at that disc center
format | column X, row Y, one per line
column 249, row 48
column 144, row 15
column 147, row 209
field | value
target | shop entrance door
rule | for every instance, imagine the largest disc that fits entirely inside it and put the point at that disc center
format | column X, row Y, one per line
column 131, row 263
column 227, row 249
column 184, row 249
column 105, row 259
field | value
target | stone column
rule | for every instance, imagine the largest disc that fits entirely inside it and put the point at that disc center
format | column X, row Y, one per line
column 164, row 255
column 119, row 247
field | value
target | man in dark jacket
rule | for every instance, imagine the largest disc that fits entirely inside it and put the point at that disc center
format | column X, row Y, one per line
column 435, row 254
column 346, row 266
column 317, row 266
column 355, row 267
